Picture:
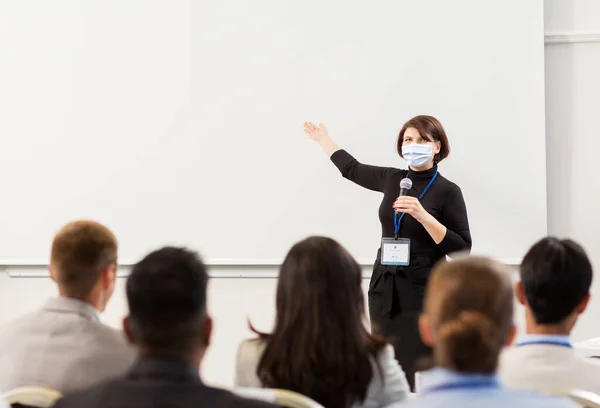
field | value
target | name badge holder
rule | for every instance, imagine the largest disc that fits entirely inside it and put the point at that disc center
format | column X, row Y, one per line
column 396, row 251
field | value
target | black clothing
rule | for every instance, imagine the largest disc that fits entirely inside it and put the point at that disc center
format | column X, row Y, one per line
column 396, row 292
column 157, row 383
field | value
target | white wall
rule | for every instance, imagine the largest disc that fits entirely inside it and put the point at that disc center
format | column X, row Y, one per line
column 569, row 16
column 573, row 138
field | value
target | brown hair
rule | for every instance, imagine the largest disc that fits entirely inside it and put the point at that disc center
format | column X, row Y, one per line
column 469, row 304
column 320, row 346
column 429, row 128
column 81, row 252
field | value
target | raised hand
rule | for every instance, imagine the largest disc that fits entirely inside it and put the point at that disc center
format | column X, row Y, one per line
column 316, row 133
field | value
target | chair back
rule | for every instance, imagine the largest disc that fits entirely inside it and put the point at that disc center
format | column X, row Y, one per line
column 283, row 398
column 585, row 399
column 31, row 397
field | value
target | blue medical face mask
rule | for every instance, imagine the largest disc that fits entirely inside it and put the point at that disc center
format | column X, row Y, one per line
column 417, row 155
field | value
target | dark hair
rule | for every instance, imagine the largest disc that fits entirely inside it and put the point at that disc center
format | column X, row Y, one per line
column 556, row 276
column 81, row 252
column 166, row 294
column 430, row 129
column 469, row 304
column 320, row 346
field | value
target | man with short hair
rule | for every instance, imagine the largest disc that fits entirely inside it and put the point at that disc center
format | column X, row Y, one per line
column 169, row 324
column 555, row 281
column 64, row 346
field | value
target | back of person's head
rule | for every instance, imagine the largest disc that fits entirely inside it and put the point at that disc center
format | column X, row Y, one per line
column 320, row 346
column 166, row 295
column 468, row 314
column 83, row 262
column 556, row 276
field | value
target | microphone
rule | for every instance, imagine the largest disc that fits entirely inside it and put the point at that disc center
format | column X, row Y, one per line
column 405, row 185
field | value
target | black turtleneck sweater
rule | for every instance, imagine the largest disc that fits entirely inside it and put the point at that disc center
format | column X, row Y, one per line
column 443, row 200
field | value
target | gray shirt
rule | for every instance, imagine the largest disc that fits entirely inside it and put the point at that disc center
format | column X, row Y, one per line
column 62, row 346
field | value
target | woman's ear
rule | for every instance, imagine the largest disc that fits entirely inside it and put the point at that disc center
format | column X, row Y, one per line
column 437, row 146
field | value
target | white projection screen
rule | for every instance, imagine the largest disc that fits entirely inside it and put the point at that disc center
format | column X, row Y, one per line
column 180, row 122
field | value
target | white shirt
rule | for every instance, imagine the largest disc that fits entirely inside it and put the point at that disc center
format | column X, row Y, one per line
column 548, row 364
column 381, row 392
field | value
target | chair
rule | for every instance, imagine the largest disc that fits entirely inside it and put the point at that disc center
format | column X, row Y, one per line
column 284, row 398
column 585, row 399
column 31, row 397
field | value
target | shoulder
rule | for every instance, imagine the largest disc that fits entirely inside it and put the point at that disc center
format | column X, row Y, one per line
column 219, row 397
column 20, row 323
column 111, row 334
column 394, row 178
column 535, row 399
column 386, row 354
column 108, row 337
column 107, row 346
column 508, row 354
column 251, row 348
column 450, row 192
column 388, row 383
column 248, row 356
column 510, row 363
column 95, row 329
column 398, row 173
column 447, row 184
column 589, row 364
column 87, row 397
column 25, row 330
column 384, row 362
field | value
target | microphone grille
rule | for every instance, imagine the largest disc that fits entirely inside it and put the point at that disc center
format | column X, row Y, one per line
column 406, row 183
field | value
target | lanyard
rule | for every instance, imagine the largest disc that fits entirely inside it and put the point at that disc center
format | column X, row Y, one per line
column 398, row 220
column 546, row 342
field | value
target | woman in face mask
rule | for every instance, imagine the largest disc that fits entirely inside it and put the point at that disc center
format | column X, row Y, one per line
column 421, row 224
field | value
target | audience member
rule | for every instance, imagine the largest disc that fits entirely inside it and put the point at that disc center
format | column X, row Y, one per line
column 169, row 324
column 320, row 346
column 63, row 345
column 467, row 319
column 555, row 281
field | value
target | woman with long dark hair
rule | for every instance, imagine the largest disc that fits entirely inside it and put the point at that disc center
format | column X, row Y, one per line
column 418, row 228
column 320, row 346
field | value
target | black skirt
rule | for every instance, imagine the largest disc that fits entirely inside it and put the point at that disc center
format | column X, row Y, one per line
column 395, row 303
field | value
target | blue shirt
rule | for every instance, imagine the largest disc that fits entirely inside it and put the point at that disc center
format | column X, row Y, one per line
column 445, row 388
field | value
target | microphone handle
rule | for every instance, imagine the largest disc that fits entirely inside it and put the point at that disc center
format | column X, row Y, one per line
column 403, row 192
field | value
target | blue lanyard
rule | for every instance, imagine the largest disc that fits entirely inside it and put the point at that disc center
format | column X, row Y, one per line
column 546, row 343
column 398, row 220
